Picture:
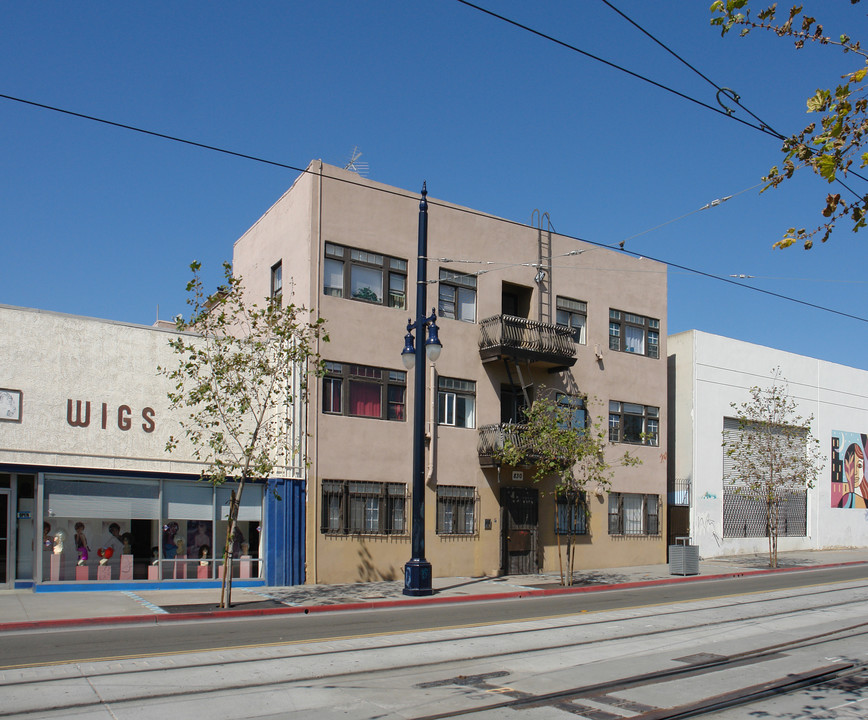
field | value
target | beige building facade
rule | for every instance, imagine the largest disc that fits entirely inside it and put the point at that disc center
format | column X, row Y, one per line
column 521, row 311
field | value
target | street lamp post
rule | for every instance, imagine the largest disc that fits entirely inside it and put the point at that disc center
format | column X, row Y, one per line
column 417, row 572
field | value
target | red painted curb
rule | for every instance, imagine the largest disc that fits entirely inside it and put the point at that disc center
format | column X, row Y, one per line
column 385, row 604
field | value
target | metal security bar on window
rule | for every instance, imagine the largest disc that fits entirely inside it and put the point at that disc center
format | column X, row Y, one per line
column 572, row 514
column 634, row 514
column 456, row 510
column 363, row 508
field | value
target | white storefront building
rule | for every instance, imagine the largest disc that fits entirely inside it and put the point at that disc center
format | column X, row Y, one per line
column 89, row 496
column 707, row 374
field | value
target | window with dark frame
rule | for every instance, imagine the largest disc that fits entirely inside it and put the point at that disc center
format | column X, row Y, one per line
column 575, row 406
column 633, row 423
column 456, row 402
column 572, row 513
column 364, row 391
column 634, row 333
column 573, row 314
column 634, row 514
column 276, row 279
column 513, row 405
column 365, row 276
column 356, row 507
column 456, row 510
column 457, row 296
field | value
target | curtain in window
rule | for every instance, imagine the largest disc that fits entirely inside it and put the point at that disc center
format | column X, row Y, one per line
column 464, row 407
column 632, row 514
column 333, row 280
column 396, row 402
column 364, row 399
column 466, row 305
column 331, row 395
column 634, row 340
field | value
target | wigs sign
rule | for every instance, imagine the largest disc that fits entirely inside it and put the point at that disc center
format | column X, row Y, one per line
column 849, row 481
column 78, row 414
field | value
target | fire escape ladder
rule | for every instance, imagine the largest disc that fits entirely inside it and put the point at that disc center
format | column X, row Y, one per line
column 525, row 385
column 544, row 264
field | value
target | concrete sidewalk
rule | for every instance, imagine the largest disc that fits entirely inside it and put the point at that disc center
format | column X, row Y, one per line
column 24, row 609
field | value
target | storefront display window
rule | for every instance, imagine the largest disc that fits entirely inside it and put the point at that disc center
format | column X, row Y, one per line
column 131, row 529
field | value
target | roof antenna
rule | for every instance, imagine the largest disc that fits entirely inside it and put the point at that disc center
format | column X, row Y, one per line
column 354, row 165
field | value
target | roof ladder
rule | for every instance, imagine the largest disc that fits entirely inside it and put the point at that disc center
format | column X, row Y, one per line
column 544, row 264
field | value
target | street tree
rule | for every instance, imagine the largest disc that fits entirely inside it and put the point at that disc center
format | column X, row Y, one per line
column 831, row 145
column 242, row 367
column 558, row 441
column 772, row 453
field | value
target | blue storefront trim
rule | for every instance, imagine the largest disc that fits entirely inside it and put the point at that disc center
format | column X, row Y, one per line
column 285, row 531
column 139, row 586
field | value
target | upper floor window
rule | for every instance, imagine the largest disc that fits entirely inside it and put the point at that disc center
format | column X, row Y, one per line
column 276, row 279
column 573, row 314
column 456, row 402
column 574, row 405
column 634, row 333
column 366, row 276
column 457, row 298
column 632, row 423
column 514, row 405
column 363, row 391
column 634, row 514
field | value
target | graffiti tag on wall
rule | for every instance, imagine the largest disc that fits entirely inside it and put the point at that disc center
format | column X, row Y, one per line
column 849, row 483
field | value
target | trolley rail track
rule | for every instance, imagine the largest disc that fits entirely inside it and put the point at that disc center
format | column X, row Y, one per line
column 821, row 599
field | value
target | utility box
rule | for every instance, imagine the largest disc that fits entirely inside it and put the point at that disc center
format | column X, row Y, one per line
column 683, row 557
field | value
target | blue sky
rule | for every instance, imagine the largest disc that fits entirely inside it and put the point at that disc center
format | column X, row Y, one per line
column 104, row 222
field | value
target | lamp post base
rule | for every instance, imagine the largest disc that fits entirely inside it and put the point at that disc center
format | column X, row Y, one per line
column 417, row 578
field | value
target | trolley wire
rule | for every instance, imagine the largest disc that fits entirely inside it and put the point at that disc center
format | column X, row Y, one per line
column 410, row 196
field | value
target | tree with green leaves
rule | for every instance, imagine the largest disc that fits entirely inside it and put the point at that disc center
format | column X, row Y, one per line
column 242, row 368
column 831, row 146
column 772, row 453
column 559, row 442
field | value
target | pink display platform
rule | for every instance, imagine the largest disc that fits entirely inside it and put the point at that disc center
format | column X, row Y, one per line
column 82, row 572
column 55, row 567
column 180, row 568
column 244, row 571
column 153, row 572
column 202, row 572
column 126, row 567
column 103, row 572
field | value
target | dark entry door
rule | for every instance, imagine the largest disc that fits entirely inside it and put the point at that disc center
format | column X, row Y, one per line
column 521, row 530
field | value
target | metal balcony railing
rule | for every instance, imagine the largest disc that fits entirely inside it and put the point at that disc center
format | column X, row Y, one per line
column 492, row 438
column 519, row 337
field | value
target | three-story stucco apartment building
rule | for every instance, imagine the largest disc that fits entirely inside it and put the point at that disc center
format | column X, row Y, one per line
column 521, row 311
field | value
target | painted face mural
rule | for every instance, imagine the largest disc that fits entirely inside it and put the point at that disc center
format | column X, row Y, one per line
column 849, row 484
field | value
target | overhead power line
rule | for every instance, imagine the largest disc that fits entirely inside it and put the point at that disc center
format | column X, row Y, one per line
column 410, row 196
column 615, row 66
column 732, row 96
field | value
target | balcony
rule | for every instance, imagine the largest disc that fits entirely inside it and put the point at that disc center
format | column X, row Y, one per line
column 519, row 338
column 491, row 439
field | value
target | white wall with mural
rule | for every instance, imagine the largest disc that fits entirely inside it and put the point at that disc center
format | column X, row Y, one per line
column 707, row 374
